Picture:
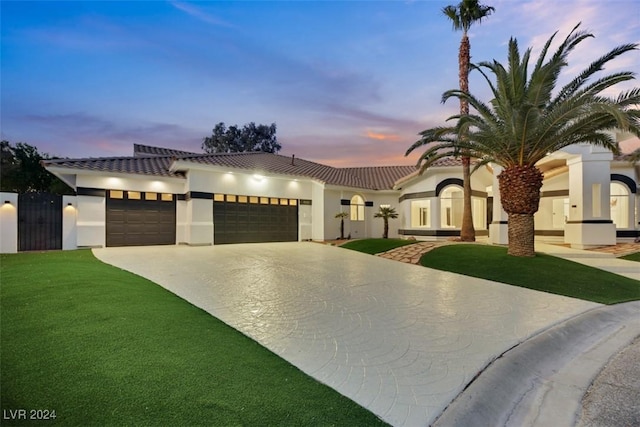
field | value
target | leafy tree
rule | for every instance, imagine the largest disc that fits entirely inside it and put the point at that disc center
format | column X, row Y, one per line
column 251, row 137
column 525, row 120
column 462, row 17
column 385, row 213
column 23, row 173
column 342, row 216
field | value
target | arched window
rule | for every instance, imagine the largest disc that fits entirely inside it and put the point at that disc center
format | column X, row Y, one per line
column 619, row 205
column 451, row 207
column 357, row 208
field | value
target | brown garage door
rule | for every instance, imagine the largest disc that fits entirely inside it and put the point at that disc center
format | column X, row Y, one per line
column 243, row 219
column 140, row 219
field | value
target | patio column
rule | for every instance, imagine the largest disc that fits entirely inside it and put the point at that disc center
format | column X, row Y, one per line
column 590, row 223
column 498, row 229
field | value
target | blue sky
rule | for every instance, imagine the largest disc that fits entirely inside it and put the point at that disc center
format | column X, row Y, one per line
column 348, row 83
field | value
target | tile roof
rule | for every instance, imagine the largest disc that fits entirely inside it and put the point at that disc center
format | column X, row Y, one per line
column 148, row 160
column 381, row 177
column 140, row 150
column 158, row 166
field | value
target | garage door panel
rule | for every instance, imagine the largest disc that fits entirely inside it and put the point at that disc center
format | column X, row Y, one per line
column 140, row 222
column 251, row 223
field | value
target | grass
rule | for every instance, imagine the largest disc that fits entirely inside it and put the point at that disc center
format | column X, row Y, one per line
column 543, row 272
column 101, row 346
column 375, row 246
column 632, row 257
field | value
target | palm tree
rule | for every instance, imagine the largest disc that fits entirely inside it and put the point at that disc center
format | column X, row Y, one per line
column 385, row 213
column 342, row 216
column 526, row 120
column 462, row 17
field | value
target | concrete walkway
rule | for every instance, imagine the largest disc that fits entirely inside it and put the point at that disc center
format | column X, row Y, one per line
column 399, row 340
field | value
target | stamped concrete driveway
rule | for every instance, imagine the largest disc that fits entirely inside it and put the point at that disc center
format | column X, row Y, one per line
column 399, row 339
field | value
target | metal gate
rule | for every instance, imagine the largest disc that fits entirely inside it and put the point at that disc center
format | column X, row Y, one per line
column 39, row 222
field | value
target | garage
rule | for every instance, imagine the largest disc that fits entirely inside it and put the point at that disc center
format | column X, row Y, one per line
column 136, row 218
column 252, row 219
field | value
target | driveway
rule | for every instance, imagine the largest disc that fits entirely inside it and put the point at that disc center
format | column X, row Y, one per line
column 401, row 340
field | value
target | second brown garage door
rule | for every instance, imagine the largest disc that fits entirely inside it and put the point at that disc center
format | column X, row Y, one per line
column 140, row 219
column 244, row 219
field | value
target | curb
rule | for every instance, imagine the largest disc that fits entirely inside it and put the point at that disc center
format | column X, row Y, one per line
column 542, row 381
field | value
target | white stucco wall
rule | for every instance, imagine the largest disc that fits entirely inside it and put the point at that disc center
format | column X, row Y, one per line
column 133, row 183
column 91, row 225
column 69, row 222
column 318, row 217
column 8, row 223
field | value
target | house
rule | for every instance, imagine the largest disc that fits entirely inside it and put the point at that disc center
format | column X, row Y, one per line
column 164, row 196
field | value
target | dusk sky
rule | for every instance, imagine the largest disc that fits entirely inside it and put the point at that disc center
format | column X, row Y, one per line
column 348, row 83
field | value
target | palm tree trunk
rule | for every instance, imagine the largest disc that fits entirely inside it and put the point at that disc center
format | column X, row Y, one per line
column 385, row 234
column 520, row 197
column 341, row 228
column 521, row 235
column 467, row 232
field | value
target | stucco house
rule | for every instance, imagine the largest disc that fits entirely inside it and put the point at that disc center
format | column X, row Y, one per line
column 164, row 196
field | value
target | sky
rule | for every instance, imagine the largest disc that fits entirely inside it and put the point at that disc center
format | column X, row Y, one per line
column 348, row 83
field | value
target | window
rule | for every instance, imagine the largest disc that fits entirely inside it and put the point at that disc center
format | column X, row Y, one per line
column 421, row 213
column 151, row 196
column 451, row 207
column 134, row 195
column 167, row 197
column 357, row 208
column 116, row 194
column 619, row 205
column 218, row 197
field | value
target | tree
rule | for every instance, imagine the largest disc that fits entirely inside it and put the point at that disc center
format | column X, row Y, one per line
column 462, row 17
column 235, row 140
column 23, row 173
column 526, row 120
column 342, row 216
column 385, row 213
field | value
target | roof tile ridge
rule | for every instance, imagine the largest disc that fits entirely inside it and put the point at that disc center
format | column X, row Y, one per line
column 135, row 144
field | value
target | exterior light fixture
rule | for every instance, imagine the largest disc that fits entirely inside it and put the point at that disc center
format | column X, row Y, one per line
column 7, row 202
column 385, row 206
column 69, row 204
column 258, row 177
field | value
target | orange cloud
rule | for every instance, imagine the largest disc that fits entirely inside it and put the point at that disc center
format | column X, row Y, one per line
column 382, row 136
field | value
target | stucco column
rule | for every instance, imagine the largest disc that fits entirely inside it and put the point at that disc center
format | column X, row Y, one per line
column 8, row 223
column 69, row 223
column 91, row 220
column 499, row 228
column 199, row 220
column 589, row 223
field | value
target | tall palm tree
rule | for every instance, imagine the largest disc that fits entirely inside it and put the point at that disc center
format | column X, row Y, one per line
column 462, row 17
column 528, row 118
column 385, row 213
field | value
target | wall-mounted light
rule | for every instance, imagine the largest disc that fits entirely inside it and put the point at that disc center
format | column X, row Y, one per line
column 258, row 177
column 70, row 204
column 385, row 206
column 7, row 202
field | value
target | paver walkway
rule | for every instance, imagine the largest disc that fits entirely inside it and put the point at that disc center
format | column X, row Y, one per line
column 401, row 341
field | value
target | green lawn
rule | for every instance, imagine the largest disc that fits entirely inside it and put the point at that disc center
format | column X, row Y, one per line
column 101, row 346
column 375, row 246
column 543, row 272
column 632, row 257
